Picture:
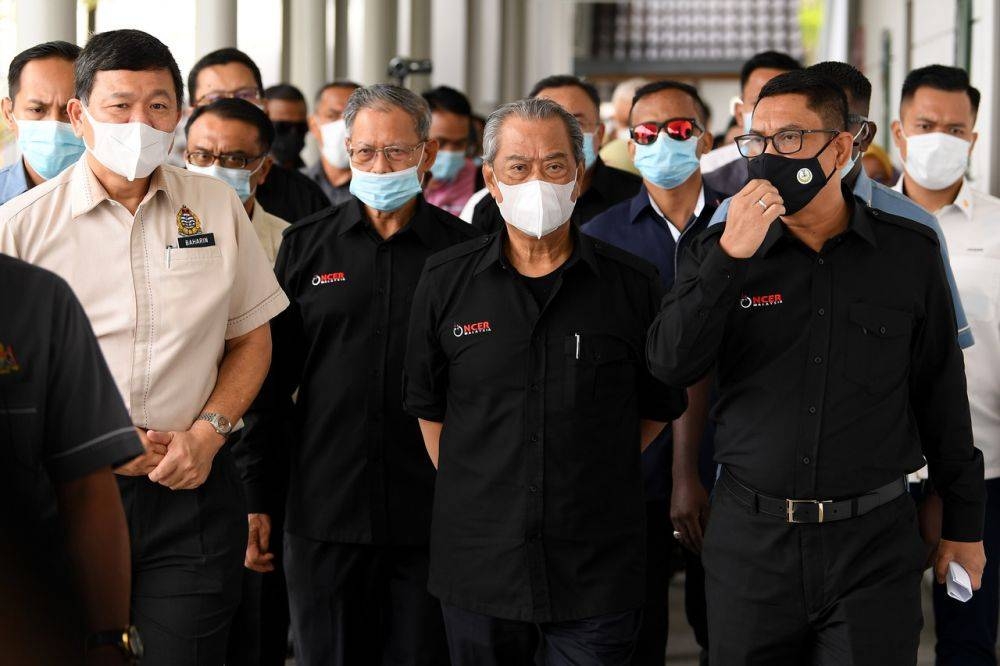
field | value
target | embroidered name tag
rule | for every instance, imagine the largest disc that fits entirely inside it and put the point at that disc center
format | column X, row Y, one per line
column 201, row 240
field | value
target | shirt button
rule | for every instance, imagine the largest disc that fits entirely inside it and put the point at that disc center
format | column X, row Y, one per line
column 532, row 489
column 812, row 409
column 534, row 388
column 882, row 330
column 806, row 461
column 380, row 291
column 817, row 360
column 821, row 262
column 821, row 311
column 378, row 331
column 534, row 437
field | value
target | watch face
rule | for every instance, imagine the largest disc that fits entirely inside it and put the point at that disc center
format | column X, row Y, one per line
column 224, row 424
column 135, row 643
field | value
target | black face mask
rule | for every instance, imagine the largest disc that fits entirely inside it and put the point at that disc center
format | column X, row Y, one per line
column 289, row 140
column 798, row 180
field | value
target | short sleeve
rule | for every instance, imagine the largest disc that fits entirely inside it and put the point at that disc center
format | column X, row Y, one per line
column 86, row 424
column 255, row 297
column 425, row 376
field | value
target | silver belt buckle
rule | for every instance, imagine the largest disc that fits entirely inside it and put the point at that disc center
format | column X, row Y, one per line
column 790, row 507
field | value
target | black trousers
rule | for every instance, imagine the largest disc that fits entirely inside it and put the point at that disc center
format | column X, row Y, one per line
column 475, row 639
column 358, row 605
column 259, row 635
column 840, row 594
column 188, row 548
column 651, row 643
column 694, row 601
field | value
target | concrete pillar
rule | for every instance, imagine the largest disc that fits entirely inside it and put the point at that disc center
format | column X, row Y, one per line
column 215, row 25
column 513, row 45
column 486, row 61
column 307, row 66
column 44, row 21
column 371, row 39
column 450, row 42
column 549, row 28
column 414, row 37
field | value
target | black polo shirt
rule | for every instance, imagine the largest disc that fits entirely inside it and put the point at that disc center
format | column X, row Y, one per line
column 836, row 369
column 539, row 510
column 61, row 416
column 290, row 195
column 608, row 186
column 359, row 469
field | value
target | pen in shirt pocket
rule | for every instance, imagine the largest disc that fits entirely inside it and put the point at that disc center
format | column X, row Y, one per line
column 166, row 254
column 577, row 335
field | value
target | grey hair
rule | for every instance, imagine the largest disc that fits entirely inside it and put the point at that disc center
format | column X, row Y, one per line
column 533, row 108
column 384, row 97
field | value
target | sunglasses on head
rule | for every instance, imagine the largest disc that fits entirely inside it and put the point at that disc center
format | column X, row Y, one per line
column 678, row 129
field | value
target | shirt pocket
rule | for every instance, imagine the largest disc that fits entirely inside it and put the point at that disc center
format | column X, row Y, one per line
column 878, row 346
column 20, row 431
column 184, row 259
column 599, row 369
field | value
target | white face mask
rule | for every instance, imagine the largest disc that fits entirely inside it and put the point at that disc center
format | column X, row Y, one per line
column 536, row 207
column 936, row 160
column 334, row 147
column 132, row 150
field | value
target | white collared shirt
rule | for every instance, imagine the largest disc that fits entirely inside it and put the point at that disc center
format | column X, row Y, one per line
column 162, row 312
column 674, row 231
column 971, row 226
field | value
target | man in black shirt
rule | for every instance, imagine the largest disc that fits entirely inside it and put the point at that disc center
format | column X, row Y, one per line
column 834, row 343
column 602, row 186
column 525, row 367
column 358, row 511
column 231, row 73
column 63, row 427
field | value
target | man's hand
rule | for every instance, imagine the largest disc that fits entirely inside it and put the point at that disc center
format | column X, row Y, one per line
column 689, row 510
column 189, row 456
column 258, row 558
column 145, row 463
column 970, row 555
column 751, row 212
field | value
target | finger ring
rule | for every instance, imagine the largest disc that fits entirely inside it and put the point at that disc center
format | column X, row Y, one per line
column 760, row 202
column 677, row 535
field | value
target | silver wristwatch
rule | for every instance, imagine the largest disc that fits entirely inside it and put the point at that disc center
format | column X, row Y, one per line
column 222, row 425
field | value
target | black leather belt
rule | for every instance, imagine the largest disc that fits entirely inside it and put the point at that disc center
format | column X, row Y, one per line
column 809, row 510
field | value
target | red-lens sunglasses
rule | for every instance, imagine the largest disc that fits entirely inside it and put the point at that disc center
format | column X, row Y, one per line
column 678, row 129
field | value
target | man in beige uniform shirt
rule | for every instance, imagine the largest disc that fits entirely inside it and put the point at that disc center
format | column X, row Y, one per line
column 179, row 293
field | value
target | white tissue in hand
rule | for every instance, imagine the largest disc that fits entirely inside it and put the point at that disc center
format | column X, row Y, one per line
column 958, row 582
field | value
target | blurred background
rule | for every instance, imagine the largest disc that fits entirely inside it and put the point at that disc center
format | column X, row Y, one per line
column 495, row 49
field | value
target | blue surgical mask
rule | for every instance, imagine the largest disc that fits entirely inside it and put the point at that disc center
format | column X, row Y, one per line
column 238, row 179
column 667, row 162
column 854, row 158
column 386, row 191
column 49, row 146
column 447, row 164
column 589, row 156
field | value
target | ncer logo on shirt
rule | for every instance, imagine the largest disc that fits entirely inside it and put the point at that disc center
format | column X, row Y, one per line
column 747, row 302
column 327, row 278
column 471, row 329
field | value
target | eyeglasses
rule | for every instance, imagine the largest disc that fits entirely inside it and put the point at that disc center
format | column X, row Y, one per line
column 226, row 160
column 394, row 154
column 251, row 95
column 785, row 142
column 678, row 129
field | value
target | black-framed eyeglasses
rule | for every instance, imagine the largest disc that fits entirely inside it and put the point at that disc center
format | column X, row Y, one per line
column 678, row 129
column 201, row 158
column 785, row 142
column 394, row 154
column 248, row 94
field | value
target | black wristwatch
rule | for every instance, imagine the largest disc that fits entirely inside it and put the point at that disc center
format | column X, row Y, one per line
column 127, row 641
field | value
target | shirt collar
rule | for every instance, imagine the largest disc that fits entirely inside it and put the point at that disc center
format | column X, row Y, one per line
column 863, row 187
column 583, row 247
column 13, row 180
column 698, row 207
column 423, row 223
column 858, row 223
column 88, row 193
column 962, row 202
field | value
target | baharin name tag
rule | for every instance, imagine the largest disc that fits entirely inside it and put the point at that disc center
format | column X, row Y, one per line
column 201, row 240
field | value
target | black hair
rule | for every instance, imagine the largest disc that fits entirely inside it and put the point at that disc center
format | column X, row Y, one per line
column 63, row 50
column 563, row 80
column 768, row 60
column 658, row 86
column 823, row 95
column 339, row 83
column 940, row 77
column 285, row 92
column 222, row 57
column 448, row 99
column 132, row 50
column 232, row 108
column 849, row 78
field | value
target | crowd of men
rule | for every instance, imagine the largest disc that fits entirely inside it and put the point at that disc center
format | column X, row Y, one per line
column 467, row 391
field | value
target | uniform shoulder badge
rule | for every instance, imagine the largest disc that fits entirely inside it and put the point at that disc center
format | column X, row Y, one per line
column 8, row 362
column 188, row 223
